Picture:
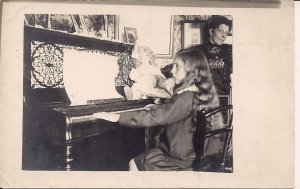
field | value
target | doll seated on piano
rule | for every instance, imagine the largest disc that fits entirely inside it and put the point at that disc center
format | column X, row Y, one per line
column 148, row 78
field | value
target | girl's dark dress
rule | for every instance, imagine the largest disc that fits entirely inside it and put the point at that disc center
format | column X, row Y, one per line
column 176, row 149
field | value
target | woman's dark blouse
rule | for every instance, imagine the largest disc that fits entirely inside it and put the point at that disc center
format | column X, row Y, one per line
column 177, row 117
column 219, row 58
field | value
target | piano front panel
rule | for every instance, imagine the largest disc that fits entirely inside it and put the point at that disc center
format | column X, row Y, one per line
column 96, row 145
column 89, row 129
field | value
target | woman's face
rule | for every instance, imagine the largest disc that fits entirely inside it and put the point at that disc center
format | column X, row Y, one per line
column 219, row 35
column 178, row 70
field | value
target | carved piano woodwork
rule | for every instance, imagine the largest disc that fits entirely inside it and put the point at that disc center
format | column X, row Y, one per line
column 61, row 136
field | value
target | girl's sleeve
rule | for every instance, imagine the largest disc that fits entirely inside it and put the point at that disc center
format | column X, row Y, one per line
column 177, row 109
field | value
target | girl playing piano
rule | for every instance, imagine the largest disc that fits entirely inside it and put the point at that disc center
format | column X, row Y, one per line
column 194, row 91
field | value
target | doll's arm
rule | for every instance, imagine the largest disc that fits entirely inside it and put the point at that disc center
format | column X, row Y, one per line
column 134, row 74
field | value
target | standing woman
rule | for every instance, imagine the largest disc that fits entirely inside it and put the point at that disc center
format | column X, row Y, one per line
column 219, row 54
column 194, row 91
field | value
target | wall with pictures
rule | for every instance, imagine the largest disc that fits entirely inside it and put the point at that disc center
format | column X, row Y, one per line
column 178, row 28
column 162, row 34
column 98, row 26
column 104, row 27
column 159, row 33
column 152, row 31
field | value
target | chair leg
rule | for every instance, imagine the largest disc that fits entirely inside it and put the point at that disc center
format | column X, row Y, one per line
column 224, row 155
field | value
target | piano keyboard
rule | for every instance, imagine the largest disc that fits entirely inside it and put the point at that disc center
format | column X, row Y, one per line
column 89, row 118
column 84, row 110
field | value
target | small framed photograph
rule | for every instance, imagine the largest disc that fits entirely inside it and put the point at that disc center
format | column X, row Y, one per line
column 193, row 33
column 131, row 35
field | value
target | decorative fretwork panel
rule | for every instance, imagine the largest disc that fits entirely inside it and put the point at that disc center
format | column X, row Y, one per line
column 47, row 65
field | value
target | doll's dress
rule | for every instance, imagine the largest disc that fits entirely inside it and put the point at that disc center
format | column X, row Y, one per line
column 146, row 78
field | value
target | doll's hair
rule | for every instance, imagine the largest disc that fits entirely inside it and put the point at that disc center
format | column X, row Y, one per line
column 146, row 51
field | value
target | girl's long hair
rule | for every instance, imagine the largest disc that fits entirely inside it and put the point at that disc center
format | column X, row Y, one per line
column 198, row 74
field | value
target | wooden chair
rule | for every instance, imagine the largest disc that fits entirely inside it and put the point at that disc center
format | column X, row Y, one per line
column 218, row 140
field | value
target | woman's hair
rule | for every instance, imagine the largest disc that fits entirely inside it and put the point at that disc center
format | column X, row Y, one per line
column 198, row 74
column 215, row 21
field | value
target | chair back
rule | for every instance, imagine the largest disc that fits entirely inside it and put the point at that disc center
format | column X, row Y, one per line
column 212, row 146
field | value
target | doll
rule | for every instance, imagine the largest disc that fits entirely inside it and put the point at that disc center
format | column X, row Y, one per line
column 147, row 77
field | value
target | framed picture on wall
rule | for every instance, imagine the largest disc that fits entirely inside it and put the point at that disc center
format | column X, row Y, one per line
column 131, row 35
column 100, row 26
column 193, row 33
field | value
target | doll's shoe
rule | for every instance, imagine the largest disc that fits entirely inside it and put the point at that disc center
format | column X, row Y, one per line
column 128, row 92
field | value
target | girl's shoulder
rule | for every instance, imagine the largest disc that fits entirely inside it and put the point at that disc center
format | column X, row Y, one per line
column 192, row 89
column 185, row 96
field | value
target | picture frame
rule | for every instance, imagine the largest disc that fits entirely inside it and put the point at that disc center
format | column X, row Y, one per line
column 130, row 35
column 193, row 32
column 100, row 26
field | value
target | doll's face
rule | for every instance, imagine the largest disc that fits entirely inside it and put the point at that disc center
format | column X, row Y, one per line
column 144, row 58
column 143, row 55
column 178, row 70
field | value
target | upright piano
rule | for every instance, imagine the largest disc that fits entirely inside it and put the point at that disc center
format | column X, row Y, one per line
column 60, row 135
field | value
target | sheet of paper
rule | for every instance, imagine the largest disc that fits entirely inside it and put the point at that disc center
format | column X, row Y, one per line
column 89, row 76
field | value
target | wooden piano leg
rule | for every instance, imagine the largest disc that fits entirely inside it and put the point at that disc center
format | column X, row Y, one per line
column 69, row 159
